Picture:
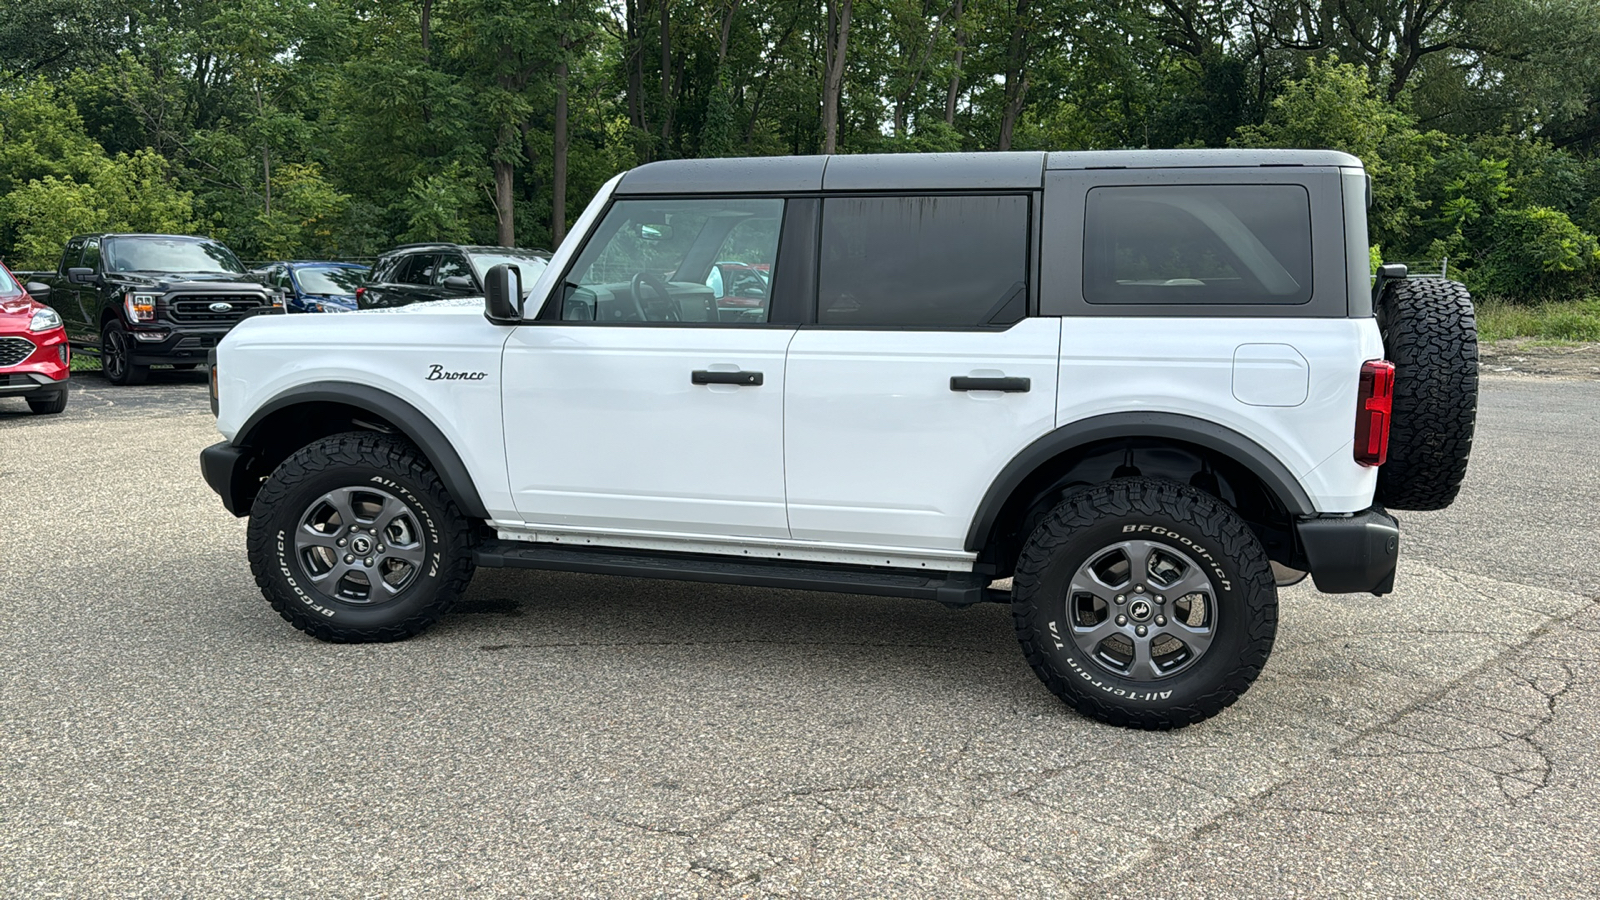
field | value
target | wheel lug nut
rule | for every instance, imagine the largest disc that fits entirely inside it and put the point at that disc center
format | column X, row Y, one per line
column 348, row 559
column 380, row 548
column 1139, row 588
column 1141, row 631
column 1160, row 600
column 341, row 542
column 369, row 561
column 1161, row 620
column 1122, row 598
column 1122, row 620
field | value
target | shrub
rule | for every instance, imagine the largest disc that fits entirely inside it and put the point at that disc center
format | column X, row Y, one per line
column 1535, row 254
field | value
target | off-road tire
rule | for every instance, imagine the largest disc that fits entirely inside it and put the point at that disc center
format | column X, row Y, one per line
column 1430, row 333
column 1087, row 524
column 116, row 356
column 49, row 407
column 368, row 461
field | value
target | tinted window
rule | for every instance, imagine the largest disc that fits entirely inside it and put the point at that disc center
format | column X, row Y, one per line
column 529, row 264
column 91, row 253
column 652, row 261
column 450, row 266
column 920, row 261
column 70, row 257
column 418, row 269
column 1203, row 244
column 331, row 280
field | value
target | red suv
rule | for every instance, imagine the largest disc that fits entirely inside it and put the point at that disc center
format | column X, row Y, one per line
column 34, row 356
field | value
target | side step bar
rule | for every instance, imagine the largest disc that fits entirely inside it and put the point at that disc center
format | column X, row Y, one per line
column 949, row 588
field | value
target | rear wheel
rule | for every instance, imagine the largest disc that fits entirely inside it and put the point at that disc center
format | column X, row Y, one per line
column 1145, row 603
column 354, row 539
column 1430, row 333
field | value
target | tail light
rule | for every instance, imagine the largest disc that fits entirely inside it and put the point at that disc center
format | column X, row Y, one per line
column 360, row 293
column 1374, row 408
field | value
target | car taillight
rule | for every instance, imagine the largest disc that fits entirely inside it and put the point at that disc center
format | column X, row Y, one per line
column 1374, row 407
column 360, row 292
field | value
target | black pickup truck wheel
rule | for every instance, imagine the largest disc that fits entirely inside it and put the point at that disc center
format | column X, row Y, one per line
column 116, row 356
column 1430, row 333
column 1145, row 603
column 354, row 539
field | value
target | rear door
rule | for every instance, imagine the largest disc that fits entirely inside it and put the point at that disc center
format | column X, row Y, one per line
column 923, row 374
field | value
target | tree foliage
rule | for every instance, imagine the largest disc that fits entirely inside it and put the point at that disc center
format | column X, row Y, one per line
column 339, row 127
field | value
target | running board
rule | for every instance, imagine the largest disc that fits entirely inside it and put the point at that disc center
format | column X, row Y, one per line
column 949, row 588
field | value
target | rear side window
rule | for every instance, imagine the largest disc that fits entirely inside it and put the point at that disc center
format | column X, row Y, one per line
column 923, row 261
column 1198, row 244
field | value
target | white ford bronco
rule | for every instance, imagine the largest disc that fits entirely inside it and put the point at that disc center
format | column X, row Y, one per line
column 1128, row 393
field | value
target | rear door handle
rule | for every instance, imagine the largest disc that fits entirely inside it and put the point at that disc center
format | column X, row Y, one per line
column 975, row 383
column 749, row 379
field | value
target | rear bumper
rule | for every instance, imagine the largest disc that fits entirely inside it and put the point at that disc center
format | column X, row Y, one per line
column 1352, row 554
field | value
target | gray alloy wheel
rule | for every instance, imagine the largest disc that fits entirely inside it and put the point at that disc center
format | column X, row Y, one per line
column 353, row 538
column 1142, row 610
column 1145, row 603
column 360, row 544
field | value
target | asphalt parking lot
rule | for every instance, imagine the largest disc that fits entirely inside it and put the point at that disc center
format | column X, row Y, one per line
column 163, row 733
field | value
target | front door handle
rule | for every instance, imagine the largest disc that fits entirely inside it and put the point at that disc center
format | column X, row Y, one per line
column 748, row 379
column 976, row 383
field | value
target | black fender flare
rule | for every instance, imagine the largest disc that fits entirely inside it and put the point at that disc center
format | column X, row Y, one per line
column 1174, row 426
column 409, row 420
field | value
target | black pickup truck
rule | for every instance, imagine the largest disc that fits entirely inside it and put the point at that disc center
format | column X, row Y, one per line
column 152, row 299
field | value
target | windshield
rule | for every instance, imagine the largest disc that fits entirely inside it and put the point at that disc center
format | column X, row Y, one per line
column 8, row 285
column 169, row 255
column 330, row 280
column 530, row 265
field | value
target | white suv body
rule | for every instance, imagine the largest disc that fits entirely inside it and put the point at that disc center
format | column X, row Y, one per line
column 1052, row 322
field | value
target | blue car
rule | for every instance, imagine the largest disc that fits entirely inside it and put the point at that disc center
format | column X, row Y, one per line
column 316, row 286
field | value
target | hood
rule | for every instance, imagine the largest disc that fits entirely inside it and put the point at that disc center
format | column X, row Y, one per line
column 170, row 280
column 472, row 304
column 16, row 311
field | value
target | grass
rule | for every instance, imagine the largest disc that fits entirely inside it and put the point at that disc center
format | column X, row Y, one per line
column 1570, row 321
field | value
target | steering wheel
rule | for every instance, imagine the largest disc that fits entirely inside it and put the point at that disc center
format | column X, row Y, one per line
column 663, row 295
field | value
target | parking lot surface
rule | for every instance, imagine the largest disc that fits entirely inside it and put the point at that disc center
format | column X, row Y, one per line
column 163, row 733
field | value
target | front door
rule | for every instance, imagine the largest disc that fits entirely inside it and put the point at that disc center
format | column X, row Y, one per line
column 635, row 404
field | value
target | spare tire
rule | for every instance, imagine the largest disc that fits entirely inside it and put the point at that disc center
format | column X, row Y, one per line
column 1431, row 335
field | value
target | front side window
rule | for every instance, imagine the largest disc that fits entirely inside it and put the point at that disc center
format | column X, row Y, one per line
column 91, row 253
column 1198, row 244
column 931, row 261
column 653, row 261
column 451, row 266
column 419, row 269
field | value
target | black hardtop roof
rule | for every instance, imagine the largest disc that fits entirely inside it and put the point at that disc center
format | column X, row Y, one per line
column 470, row 248
column 934, row 171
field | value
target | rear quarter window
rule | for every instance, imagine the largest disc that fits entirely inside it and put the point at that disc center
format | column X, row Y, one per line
column 1198, row 244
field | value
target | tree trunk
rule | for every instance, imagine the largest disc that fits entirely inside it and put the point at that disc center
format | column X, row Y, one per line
column 505, row 231
column 666, row 76
column 836, row 42
column 266, row 176
column 558, row 198
column 427, row 26
column 635, row 67
column 1016, row 75
column 955, row 77
column 727, row 29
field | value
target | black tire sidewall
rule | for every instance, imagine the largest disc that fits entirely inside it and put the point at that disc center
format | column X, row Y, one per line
column 278, row 514
column 123, row 353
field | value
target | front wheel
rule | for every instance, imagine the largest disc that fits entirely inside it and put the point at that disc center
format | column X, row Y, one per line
column 116, row 356
column 1145, row 603
column 49, row 406
column 354, row 539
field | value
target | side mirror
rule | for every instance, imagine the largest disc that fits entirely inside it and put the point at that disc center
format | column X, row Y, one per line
column 502, row 295
column 80, row 275
column 39, row 292
column 462, row 283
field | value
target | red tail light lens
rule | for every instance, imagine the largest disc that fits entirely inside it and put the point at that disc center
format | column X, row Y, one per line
column 360, row 292
column 1374, row 407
